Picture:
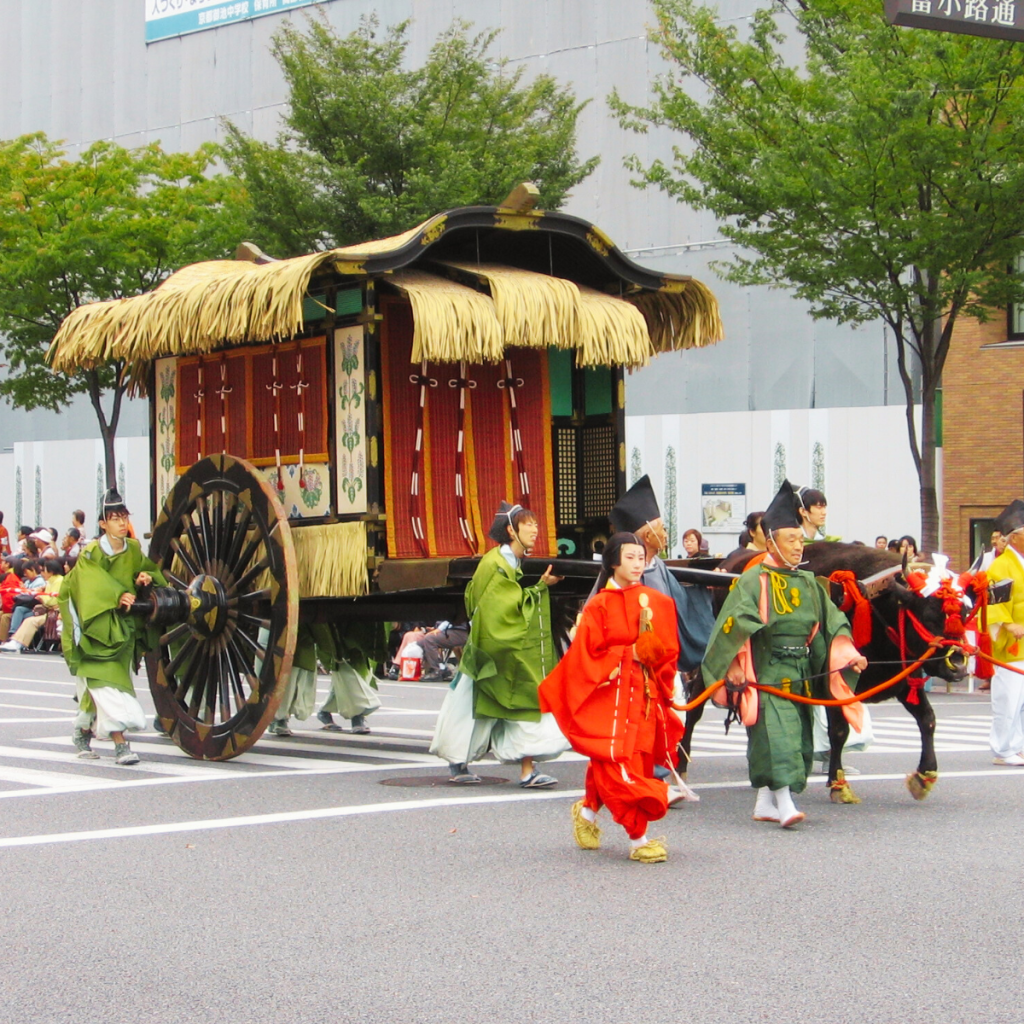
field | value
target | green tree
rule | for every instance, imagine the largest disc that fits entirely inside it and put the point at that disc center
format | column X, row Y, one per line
column 372, row 147
column 110, row 224
column 880, row 174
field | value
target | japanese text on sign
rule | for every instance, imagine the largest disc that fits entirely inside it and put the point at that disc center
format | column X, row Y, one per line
column 166, row 19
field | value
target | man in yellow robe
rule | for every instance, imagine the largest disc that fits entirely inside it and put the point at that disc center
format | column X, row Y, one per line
column 1006, row 624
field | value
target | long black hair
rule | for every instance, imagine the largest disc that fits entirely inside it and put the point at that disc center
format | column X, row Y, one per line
column 611, row 557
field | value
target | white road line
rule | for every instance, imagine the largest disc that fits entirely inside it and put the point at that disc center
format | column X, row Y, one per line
column 37, row 777
column 380, row 808
column 387, row 730
column 36, row 694
column 56, row 717
column 344, row 747
column 47, row 682
column 214, row 776
column 186, row 767
column 68, row 707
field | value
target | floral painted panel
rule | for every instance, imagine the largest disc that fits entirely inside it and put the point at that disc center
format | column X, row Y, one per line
column 165, row 476
column 307, row 489
column 350, row 418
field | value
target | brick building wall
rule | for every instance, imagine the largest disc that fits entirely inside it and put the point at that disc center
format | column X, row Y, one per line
column 983, row 431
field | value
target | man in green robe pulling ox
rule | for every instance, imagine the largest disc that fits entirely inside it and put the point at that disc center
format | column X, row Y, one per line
column 779, row 628
column 102, row 643
column 492, row 703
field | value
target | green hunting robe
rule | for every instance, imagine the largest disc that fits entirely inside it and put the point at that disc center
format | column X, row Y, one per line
column 101, row 643
column 510, row 649
column 789, row 651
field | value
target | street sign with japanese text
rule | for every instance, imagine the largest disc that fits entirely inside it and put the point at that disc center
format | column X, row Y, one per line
column 166, row 19
column 999, row 19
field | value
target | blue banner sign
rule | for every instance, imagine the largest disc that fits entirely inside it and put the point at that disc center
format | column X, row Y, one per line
column 166, row 19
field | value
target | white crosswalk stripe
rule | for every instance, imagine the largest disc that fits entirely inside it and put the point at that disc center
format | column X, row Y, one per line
column 31, row 764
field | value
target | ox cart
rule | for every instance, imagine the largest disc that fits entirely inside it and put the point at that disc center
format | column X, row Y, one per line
column 332, row 433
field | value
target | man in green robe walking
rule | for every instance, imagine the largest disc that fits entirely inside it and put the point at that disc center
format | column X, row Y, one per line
column 492, row 703
column 103, row 644
column 779, row 628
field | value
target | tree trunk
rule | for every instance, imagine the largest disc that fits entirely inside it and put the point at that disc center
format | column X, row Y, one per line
column 926, row 474
column 108, row 425
column 922, row 446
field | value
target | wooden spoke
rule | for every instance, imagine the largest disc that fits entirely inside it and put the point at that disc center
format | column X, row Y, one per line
column 186, row 558
column 237, row 674
column 202, row 665
column 255, row 571
column 175, row 634
column 254, row 619
column 246, row 556
column 184, row 652
column 206, row 532
column 241, row 528
column 258, row 651
column 247, row 665
column 199, row 550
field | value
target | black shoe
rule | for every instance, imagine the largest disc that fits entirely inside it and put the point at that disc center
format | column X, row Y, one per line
column 442, row 675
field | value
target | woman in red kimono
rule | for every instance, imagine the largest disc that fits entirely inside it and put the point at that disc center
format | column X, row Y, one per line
column 611, row 697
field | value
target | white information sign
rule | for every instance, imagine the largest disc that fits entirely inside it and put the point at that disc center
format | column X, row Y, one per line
column 723, row 507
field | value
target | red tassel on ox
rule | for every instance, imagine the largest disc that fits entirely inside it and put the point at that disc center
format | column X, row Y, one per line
column 951, row 605
column 916, row 684
column 984, row 669
column 853, row 598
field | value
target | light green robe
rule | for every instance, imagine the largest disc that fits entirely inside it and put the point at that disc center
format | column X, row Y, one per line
column 101, row 643
column 510, row 649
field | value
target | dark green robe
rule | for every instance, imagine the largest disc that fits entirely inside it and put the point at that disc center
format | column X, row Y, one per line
column 510, row 649
column 112, row 643
column 779, row 744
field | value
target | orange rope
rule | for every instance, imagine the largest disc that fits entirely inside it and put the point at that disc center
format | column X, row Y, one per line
column 831, row 703
column 994, row 661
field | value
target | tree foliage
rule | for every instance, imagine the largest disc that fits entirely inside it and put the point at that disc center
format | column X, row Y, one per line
column 879, row 174
column 110, row 224
column 372, row 147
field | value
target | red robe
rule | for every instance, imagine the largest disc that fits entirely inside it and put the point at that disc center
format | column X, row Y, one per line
column 9, row 586
column 609, row 710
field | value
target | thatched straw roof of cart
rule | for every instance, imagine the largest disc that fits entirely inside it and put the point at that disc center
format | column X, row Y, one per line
column 462, row 311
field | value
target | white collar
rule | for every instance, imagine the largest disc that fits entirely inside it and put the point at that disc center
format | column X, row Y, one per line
column 509, row 555
column 108, row 548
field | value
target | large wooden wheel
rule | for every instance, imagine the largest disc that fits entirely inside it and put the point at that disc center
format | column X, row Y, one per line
column 231, row 612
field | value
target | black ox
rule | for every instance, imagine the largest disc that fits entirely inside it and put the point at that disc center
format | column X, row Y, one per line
column 882, row 581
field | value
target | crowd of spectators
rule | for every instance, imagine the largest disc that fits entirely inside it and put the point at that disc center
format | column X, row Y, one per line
column 32, row 569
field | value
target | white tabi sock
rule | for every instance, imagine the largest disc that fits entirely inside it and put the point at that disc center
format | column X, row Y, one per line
column 765, row 805
column 784, row 800
column 634, row 843
column 588, row 814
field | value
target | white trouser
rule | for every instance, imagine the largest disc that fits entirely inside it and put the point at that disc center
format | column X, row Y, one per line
column 116, row 711
column 351, row 694
column 461, row 739
column 1007, row 736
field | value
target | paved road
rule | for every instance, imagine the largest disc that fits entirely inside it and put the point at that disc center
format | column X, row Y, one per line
column 290, row 885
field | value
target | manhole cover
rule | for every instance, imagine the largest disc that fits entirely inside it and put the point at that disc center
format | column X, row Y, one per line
column 413, row 781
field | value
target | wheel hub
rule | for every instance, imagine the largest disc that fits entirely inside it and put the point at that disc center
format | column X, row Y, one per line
column 207, row 606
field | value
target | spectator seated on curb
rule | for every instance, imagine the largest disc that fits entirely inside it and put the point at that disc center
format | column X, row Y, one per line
column 10, row 586
column 28, row 625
